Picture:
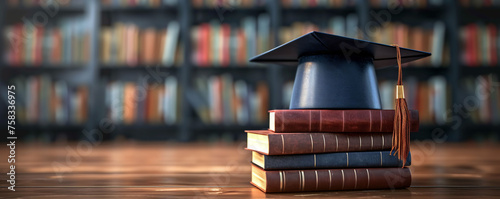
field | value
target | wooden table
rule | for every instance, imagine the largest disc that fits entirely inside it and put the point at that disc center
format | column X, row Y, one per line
column 222, row 170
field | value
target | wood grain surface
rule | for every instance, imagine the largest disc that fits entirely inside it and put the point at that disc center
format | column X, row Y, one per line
column 222, row 170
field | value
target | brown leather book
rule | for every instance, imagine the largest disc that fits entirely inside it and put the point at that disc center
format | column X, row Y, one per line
column 270, row 143
column 330, row 179
column 293, row 121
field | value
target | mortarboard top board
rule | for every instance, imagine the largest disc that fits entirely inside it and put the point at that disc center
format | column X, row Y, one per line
column 335, row 72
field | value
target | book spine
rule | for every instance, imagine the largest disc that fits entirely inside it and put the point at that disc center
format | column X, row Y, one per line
column 338, row 121
column 333, row 160
column 337, row 179
column 302, row 143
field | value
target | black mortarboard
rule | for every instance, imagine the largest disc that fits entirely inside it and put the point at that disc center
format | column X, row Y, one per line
column 335, row 72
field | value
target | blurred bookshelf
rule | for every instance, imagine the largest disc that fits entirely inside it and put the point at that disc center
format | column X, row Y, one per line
column 171, row 69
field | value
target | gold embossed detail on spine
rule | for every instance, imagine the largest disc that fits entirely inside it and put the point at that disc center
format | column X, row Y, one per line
column 368, row 174
column 324, row 143
column 312, row 143
column 337, row 143
column 359, row 142
column 283, row 142
column 383, row 141
column 316, row 172
column 343, row 179
column 355, row 179
column 347, row 156
column 314, row 160
column 303, row 181
column 281, row 181
column 371, row 136
column 330, row 175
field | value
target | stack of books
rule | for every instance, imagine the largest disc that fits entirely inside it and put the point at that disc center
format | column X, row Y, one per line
column 321, row 150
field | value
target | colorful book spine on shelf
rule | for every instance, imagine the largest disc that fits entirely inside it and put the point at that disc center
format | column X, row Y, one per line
column 479, row 45
column 338, row 25
column 222, row 99
column 425, row 39
column 485, row 94
column 43, row 100
column 127, row 45
column 66, row 44
column 133, row 103
column 221, row 45
column 429, row 97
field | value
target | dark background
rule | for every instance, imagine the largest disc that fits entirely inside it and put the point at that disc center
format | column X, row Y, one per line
column 470, row 101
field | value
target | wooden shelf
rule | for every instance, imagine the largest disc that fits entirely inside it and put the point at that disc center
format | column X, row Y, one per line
column 138, row 9
column 480, row 70
column 330, row 10
column 61, row 9
column 420, row 72
column 21, row 70
column 50, row 127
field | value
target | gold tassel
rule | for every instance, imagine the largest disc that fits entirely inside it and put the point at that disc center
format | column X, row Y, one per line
column 401, row 131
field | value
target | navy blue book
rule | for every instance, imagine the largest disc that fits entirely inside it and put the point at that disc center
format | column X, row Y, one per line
column 328, row 160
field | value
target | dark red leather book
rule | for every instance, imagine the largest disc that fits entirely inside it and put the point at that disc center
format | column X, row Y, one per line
column 270, row 143
column 293, row 121
column 330, row 179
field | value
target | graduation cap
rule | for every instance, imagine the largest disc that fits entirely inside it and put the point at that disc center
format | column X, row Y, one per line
column 336, row 72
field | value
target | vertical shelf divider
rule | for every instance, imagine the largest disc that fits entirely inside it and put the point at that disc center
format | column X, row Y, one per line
column 184, row 72
column 275, row 78
column 93, row 12
column 454, row 70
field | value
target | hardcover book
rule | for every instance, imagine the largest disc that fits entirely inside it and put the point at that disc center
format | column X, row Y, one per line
column 291, row 121
column 270, row 143
column 330, row 179
column 328, row 160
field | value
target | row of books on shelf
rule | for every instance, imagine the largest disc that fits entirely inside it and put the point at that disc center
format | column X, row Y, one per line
column 406, row 4
column 67, row 43
column 339, row 25
column 222, row 45
column 482, row 98
column 430, row 38
column 228, row 4
column 138, row 3
column 140, row 103
column 128, row 45
column 480, row 44
column 430, row 98
column 222, row 99
column 43, row 100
